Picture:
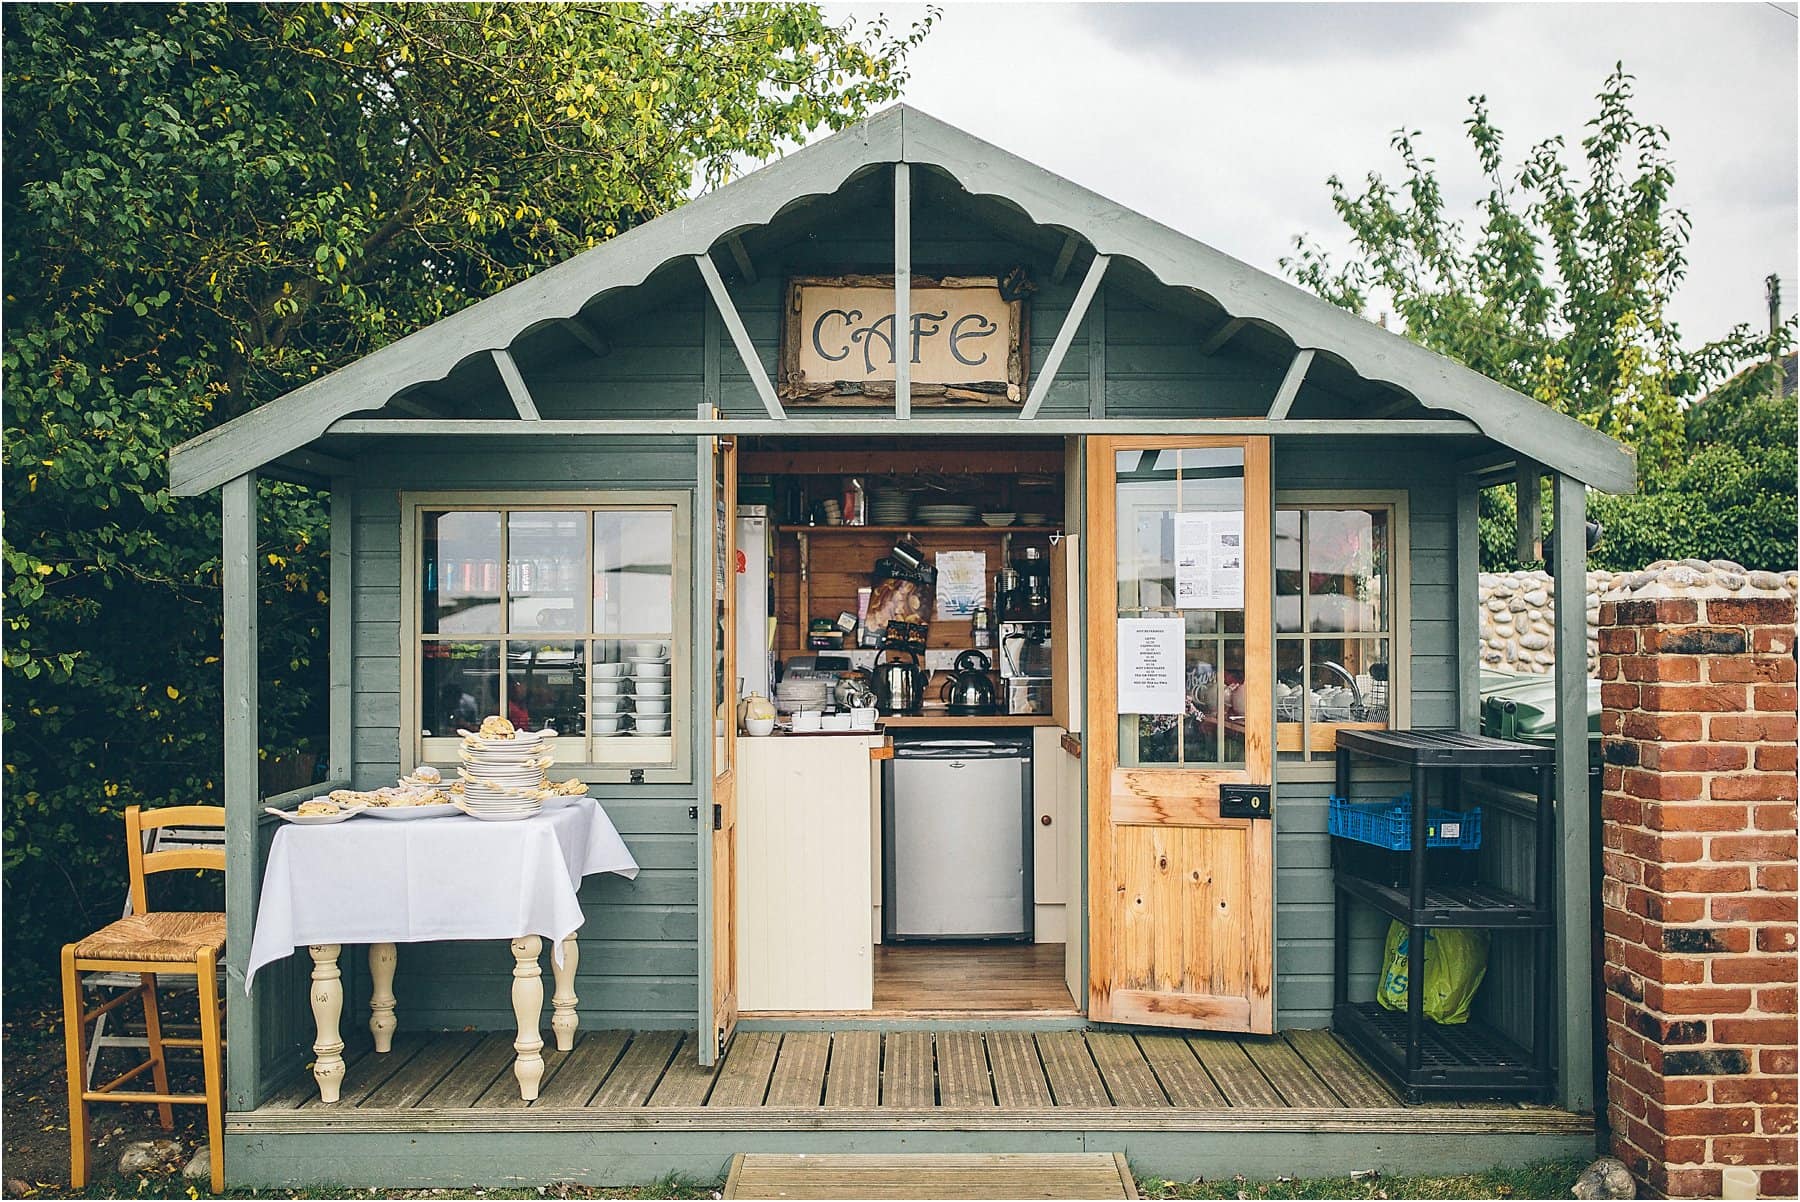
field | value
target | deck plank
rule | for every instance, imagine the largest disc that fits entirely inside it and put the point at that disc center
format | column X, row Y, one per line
column 687, row 1081
column 962, row 1067
column 1019, row 1082
column 635, row 1077
column 582, row 1069
column 1299, row 1086
column 1352, row 1081
column 1240, row 1080
column 502, row 1092
column 415, row 1079
column 908, row 1074
column 492, row 1058
column 915, row 1175
column 1182, row 1075
column 854, row 1082
column 744, row 1077
column 1128, row 1077
column 799, row 1077
column 1074, row 1081
column 366, row 1073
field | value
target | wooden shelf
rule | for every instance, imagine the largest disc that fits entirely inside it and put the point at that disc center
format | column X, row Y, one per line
column 921, row 528
column 941, row 719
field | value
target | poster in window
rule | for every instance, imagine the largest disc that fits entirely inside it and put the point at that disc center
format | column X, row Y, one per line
column 1209, row 560
column 1149, row 667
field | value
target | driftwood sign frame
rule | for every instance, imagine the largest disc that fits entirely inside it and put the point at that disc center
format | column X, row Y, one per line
column 849, row 334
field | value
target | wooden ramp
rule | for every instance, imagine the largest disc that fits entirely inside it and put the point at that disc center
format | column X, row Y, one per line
column 1069, row 1175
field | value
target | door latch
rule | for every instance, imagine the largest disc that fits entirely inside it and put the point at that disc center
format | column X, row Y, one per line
column 718, row 817
column 1244, row 801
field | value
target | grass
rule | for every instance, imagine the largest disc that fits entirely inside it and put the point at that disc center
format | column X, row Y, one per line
column 156, row 1185
column 1542, row 1179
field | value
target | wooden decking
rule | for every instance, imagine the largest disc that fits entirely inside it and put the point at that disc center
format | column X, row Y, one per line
column 940, row 979
column 1006, row 1175
column 612, row 1080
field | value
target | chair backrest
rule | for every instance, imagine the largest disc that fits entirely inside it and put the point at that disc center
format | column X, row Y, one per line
column 192, row 855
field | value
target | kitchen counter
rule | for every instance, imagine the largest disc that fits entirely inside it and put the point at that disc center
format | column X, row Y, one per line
column 939, row 718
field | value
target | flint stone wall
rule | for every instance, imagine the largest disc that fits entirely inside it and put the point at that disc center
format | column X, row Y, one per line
column 1518, row 609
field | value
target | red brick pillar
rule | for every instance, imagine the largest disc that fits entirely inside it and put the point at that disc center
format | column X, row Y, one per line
column 1698, row 892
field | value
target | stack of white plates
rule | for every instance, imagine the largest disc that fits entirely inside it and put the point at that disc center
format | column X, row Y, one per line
column 998, row 519
column 503, row 778
column 890, row 507
column 801, row 693
column 947, row 515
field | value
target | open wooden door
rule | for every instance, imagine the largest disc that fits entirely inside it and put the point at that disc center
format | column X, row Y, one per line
column 1181, row 716
column 722, row 681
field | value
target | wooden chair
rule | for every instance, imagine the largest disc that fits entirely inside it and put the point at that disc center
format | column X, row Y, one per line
column 147, row 943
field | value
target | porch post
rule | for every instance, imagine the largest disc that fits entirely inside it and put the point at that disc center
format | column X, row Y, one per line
column 342, row 665
column 243, row 1067
column 1574, row 908
column 1467, row 566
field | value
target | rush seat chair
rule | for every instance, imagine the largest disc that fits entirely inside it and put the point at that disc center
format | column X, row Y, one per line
column 149, row 943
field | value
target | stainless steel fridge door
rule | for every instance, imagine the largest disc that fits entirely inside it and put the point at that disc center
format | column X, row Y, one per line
column 956, row 853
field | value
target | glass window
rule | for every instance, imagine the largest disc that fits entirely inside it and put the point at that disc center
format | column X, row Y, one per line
column 1334, row 624
column 558, row 616
column 1173, row 503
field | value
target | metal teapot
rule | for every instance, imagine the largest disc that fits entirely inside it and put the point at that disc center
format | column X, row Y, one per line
column 854, row 689
column 971, row 690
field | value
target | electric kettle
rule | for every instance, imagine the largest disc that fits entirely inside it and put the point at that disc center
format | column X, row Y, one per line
column 899, row 683
column 971, row 690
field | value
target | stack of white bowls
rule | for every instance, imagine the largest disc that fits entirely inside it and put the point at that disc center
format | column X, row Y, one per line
column 503, row 776
column 796, row 693
column 650, row 683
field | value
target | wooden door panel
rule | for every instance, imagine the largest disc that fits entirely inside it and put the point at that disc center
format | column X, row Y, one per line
column 1182, row 899
column 721, row 683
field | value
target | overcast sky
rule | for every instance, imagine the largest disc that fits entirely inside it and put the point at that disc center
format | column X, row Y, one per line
column 1224, row 120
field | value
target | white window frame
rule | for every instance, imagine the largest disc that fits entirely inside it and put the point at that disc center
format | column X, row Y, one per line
column 1322, row 763
column 677, row 767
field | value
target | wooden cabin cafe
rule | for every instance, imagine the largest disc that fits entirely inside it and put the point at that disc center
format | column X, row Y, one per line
column 1058, row 736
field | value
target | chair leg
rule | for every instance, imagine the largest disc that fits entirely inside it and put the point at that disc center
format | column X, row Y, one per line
column 211, row 1067
column 74, row 1037
column 159, row 1070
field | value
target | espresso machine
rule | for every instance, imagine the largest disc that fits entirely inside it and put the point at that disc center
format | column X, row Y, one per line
column 1022, row 599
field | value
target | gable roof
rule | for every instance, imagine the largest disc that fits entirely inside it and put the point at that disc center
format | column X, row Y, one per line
column 901, row 134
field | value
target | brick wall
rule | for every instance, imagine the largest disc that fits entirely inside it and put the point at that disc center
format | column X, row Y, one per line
column 1698, row 811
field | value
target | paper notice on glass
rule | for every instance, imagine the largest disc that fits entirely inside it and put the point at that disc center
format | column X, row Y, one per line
column 961, row 582
column 1150, row 665
column 1209, row 560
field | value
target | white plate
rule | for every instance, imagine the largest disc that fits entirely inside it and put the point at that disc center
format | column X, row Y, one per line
column 313, row 819
column 406, row 813
column 508, row 816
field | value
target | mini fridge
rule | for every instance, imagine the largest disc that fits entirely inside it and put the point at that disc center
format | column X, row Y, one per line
column 957, row 840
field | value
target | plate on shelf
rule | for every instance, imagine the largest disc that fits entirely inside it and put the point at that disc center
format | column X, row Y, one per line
column 314, row 819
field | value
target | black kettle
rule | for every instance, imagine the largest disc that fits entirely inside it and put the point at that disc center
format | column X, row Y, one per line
column 971, row 689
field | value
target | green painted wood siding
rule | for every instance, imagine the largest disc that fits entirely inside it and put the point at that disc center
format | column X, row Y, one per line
column 639, row 949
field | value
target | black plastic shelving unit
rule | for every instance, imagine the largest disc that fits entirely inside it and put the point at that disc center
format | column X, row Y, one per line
column 1423, row 1057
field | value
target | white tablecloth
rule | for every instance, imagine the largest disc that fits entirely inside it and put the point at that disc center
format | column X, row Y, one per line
column 454, row 877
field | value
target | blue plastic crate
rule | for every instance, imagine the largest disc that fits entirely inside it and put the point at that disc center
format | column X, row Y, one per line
column 1388, row 824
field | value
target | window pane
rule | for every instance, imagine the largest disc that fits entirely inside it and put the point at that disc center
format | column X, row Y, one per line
column 634, row 573
column 1231, row 678
column 544, row 570
column 1200, row 732
column 546, row 685
column 1346, row 569
column 1349, row 679
column 1288, row 568
column 461, row 557
column 459, row 685
column 1290, row 698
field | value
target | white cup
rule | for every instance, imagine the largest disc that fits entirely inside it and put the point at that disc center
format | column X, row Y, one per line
column 658, row 725
column 609, row 705
column 609, row 724
column 647, row 650
column 609, row 688
column 650, row 688
column 606, row 671
column 807, row 720
column 651, row 705
column 645, row 669
column 759, row 726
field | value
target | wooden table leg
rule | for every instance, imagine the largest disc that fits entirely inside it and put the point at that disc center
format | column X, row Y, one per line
column 382, row 961
column 563, row 1020
column 327, row 1008
column 528, row 1008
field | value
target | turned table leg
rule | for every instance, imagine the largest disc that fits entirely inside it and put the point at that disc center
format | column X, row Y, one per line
column 562, row 1003
column 382, row 959
column 528, row 1007
column 327, row 1008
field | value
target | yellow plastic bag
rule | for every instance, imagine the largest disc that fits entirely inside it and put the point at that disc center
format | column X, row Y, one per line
column 1455, row 963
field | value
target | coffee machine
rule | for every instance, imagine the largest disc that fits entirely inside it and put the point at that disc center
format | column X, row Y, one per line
column 1022, row 598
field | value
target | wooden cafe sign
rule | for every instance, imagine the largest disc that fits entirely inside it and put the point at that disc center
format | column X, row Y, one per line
column 965, row 341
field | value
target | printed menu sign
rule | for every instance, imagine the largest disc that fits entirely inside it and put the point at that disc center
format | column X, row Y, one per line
column 961, row 582
column 1150, row 662
column 1209, row 560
